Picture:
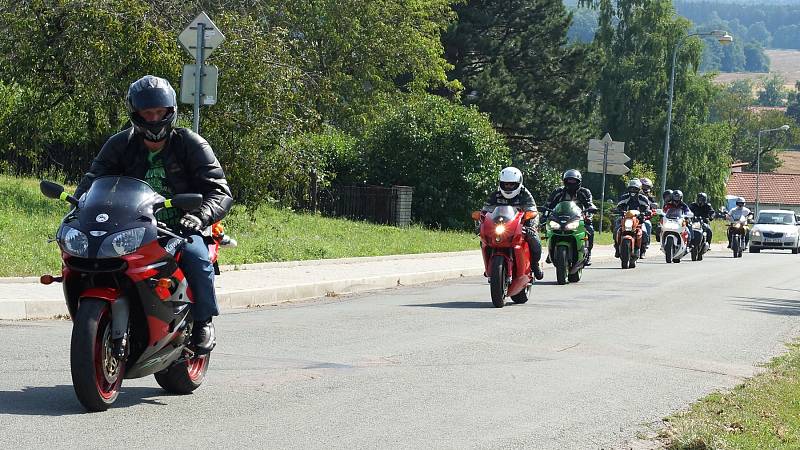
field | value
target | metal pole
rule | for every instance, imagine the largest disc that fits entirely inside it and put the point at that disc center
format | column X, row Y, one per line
column 603, row 189
column 758, row 168
column 198, row 74
column 669, row 118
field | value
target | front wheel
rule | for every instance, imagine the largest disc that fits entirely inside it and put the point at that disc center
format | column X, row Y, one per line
column 96, row 374
column 184, row 377
column 625, row 252
column 669, row 252
column 497, row 282
column 695, row 253
column 561, row 262
column 736, row 247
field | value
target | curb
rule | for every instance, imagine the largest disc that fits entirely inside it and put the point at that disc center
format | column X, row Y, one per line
column 244, row 298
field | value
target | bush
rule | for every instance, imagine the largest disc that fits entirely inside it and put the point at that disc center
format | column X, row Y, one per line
column 448, row 153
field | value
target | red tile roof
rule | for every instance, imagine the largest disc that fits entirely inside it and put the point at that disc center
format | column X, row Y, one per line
column 783, row 188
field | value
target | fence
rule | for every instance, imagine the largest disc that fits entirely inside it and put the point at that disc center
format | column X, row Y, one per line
column 384, row 205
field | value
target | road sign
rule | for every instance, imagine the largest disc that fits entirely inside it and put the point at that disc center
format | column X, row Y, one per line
column 615, row 158
column 613, row 146
column 213, row 37
column 208, row 84
column 611, row 169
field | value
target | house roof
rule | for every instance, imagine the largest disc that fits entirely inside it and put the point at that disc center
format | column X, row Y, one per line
column 740, row 164
column 776, row 188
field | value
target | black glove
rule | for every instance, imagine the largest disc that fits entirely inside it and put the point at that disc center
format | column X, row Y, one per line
column 191, row 222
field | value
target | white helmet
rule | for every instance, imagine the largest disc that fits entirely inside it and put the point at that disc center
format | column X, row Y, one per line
column 510, row 182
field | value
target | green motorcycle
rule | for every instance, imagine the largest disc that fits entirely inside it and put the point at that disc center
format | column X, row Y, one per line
column 567, row 241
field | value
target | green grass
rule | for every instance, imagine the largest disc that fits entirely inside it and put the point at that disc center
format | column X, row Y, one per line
column 761, row 413
column 27, row 219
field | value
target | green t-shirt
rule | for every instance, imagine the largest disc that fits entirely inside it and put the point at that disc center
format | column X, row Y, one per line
column 156, row 177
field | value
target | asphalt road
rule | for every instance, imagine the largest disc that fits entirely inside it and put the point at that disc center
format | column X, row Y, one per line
column 589, row 365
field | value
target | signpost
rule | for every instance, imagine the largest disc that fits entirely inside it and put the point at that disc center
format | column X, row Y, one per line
column 606, row 156
column 200, row 39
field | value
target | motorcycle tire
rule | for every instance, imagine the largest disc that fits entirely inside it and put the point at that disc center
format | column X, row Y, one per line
column 562, row 264
column 736, row 246
column 184, row 377
column 575, row 277
column 695, row 253
column 522, row 296
column 669, row 252
column 625, row 252
column 96, row 374
column 497, row 282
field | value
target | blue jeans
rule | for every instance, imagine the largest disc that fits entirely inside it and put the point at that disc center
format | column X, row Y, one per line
column 647, row 229
column 199, row 271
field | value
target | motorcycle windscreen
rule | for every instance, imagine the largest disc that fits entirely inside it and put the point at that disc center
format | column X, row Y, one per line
column 115, row 201
column 674, row 213
column 503, row 214
column 567, row 209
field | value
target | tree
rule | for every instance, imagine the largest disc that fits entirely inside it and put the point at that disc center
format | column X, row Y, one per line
column 758, row 32
column 515, row 63
column 755, row 58
column 772, row 92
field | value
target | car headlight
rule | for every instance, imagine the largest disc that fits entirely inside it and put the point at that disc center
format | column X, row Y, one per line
column 554, row 225
column 758, row 233
column 628, row 223
column 791, row 234
column 75, row 242
column 121, row 243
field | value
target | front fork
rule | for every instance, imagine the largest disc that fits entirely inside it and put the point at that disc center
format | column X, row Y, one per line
column 120, row 312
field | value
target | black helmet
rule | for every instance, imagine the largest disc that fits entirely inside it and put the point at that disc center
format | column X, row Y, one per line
column 572, row 179
column 152, row 92
column 667, row 195
column 677, row 195
column 647, row 184
column 702, row 198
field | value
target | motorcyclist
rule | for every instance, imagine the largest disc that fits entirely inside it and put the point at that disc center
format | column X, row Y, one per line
column 647, row 190
column 735, row 214
column 666, row 197
column 678, row 203
column 511, row 192
column 632, row 199
column 572, row 190
column 703, row 210
column 172, row 160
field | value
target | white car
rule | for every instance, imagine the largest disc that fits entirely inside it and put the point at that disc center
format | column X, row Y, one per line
column 775, row 228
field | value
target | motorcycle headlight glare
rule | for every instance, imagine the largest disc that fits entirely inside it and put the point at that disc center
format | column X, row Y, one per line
column 628, row 223
column 500, row 229
column 572, row 225
column 75, row 242
column 554, row 225
column 122, row 243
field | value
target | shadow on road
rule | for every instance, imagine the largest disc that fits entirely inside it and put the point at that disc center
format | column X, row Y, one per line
column 769, row 305
column 457, row 305
column 61, row 400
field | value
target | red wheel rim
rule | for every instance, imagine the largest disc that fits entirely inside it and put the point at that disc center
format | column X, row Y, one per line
column 107, row 369
column 196, row 367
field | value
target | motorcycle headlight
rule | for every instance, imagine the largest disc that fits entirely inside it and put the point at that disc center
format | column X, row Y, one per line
column 121, row 243
column 628, row 223
column 737, row 225
column 75, row 242
column 671, row 226
column 572, row 225
column 554, row 225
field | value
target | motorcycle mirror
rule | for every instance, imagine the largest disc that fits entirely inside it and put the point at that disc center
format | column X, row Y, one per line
column 476, row 215
column 186, row 202
column 55, row 190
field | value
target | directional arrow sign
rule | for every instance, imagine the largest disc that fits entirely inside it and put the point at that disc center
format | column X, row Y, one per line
column 612, row 169
column 213, row 37
column 615, row 157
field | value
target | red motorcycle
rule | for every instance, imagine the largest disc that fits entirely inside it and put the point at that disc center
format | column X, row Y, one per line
column 129, row 301
column 506, row 255
column 630, row 237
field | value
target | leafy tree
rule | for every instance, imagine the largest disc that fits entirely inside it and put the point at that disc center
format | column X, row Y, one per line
column 792, row 108
column 448, row 153
column 772, row 92
column 758, row 33
column 515, row 63
column 755, row 58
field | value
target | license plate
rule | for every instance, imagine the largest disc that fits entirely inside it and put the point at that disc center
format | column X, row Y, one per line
column 771, row 240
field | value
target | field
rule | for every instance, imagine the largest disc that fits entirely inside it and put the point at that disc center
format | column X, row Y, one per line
column 784, row 62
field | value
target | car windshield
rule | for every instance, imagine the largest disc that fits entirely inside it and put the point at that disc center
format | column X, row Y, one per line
column 776, row 218
column 503, row 214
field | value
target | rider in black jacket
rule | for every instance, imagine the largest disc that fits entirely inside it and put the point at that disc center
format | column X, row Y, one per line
column 572, row 190
column 173, row 161
column 702, row 209
column 632, row 199
column 511, row 192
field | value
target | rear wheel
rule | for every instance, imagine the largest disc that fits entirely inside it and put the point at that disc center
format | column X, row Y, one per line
column 497, row 282
column 625, row 253
column 561, row 262
column 96, row 374
column 184, row 377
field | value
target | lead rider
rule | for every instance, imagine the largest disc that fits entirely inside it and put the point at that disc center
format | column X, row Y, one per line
column 173, row 161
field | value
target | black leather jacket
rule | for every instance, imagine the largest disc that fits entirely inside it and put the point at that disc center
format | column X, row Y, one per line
column 583, row 197
column 628, row 201
column 523, row 200
column 705, row 211
column 190, row 164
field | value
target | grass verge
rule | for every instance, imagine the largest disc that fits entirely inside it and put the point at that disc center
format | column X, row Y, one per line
column 27, row 219
column 761, row 413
